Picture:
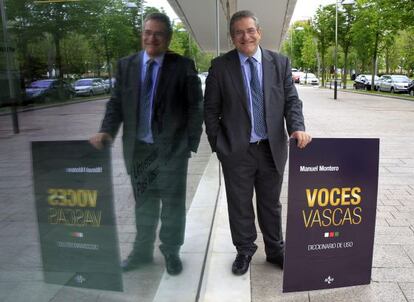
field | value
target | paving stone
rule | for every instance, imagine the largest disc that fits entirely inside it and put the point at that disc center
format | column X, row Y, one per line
column 391, row 202
column 409, row 249
column 403, row 215
column 394, row 239
column 33, row 292
column 393, row 274
column 391, row 230
column 381, row 222
column 267, row 283
column 374, row 292
column 398, row 222
column 391, row 256
column 408, row 290
column 386, row 208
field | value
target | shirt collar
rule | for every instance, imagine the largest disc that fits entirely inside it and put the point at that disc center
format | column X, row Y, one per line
column 257, row 56
column 159, row 60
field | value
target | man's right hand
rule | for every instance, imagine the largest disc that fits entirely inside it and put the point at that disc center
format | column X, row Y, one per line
column 100, row 140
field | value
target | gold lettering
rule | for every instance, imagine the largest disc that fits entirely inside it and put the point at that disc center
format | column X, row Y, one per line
column 357, row 197
column 311, row 198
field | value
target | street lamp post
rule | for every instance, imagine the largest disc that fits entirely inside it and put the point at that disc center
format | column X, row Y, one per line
column 336, row 52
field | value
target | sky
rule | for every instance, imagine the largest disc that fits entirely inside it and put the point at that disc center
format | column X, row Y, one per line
column 304, row 9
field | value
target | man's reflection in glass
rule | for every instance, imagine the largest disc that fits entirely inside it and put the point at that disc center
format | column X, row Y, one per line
column 158, row 100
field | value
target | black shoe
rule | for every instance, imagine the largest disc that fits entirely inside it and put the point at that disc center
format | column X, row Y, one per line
column 135, row 261
column 277, row 260
column 173, row 264
column 241, row 264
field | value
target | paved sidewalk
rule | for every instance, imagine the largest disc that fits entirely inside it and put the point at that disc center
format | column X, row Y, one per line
column 391, row 120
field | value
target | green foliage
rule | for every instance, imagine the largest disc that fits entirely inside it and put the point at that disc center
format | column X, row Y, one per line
column 309, row 53
column 324, row 30
column 370, row 33
column 85, row 35
column 183, row 44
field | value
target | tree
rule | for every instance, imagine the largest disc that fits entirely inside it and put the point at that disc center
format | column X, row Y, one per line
column 183, row 44
column 77, row 54
column 346, row 19
column 309, row 52
column 377, row 19
column 404, row 44
column 32, row 19
column 107, row 27
column 324, row 29
column 297, row 35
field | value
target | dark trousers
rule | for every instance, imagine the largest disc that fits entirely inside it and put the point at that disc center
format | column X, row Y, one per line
column 254, row 170
column 159, row 185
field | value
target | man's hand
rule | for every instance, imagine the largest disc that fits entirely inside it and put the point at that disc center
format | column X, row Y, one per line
column 302, row 137
column 99, row 140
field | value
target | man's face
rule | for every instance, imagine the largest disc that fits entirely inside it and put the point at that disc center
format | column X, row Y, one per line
column 155, row 38
column 246, row 37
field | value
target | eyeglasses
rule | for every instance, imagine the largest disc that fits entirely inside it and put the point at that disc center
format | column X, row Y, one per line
column 155, row 34
column 250, row 32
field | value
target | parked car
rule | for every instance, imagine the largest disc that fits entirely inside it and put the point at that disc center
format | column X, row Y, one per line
column 309, row 78
column 363, row 81
column 90, row 86
column 108, row 84
column 377, row 83
column 45, row 91
column 410, row 88
column 394, row 83
column 296, row 75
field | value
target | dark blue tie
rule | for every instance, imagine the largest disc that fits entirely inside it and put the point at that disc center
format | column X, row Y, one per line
column 144, row 122
column 257, row 100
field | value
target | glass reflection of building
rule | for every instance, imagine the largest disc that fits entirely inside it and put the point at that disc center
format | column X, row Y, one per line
column 51, row 44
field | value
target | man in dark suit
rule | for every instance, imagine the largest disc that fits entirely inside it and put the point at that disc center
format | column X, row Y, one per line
column 248, row 99
column 158, row 99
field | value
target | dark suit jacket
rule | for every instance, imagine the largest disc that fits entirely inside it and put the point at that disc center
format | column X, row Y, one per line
column 226, row 110
column 177, row 106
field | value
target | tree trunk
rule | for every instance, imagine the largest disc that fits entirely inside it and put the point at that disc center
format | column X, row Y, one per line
column 345, row 67
column 59, row 67
column 323, row 68
column 374, row 62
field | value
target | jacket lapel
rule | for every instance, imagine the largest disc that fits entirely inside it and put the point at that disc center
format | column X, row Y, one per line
column 268, row 76
column 235, row 71
column 164, row 76
column 134, row 74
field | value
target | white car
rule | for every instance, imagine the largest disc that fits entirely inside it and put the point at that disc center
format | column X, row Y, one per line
column 89, row 87
column 394, row 83
column 296, row 76
column 308, row 78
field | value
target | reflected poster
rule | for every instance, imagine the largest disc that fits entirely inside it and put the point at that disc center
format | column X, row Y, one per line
column 332, row 200
column 74, row 202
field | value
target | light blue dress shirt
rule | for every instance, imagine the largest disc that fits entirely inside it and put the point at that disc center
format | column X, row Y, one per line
column 246, row 77
column 148, row 138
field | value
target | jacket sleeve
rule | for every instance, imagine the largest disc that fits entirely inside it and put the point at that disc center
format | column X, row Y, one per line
column 293, row 105
column 212, row 105
column 194, row 96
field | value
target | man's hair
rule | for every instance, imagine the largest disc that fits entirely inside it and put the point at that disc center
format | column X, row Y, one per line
column 241, row 15
column 163, row 18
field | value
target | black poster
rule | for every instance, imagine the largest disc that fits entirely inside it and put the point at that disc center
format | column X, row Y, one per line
column 332, row 199
column 74, row 202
